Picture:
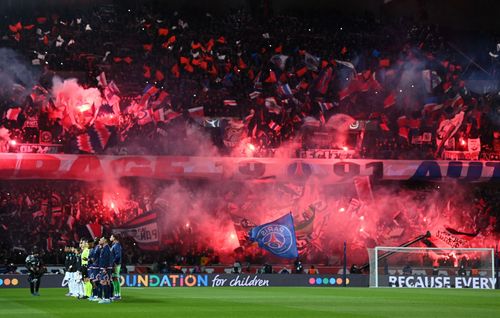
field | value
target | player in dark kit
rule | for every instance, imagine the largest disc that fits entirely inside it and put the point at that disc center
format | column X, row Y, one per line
column 105, row 270
column 36, row 270
column 116, row 252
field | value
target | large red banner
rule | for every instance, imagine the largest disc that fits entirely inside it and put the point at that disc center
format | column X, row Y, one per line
column 94, row 168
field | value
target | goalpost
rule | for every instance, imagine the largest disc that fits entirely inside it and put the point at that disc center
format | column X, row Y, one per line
column 424, row 267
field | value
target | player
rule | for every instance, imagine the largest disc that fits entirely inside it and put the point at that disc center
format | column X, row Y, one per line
column 94, row 270
column 36, row 270
column 116, row 251
column 105, row 269
column 70, row 267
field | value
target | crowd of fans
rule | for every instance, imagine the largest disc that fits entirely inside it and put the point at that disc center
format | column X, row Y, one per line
column 388, row 89
column 271, row 78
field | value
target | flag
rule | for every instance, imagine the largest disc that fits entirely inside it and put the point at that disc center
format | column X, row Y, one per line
column 94, row 229
column 196, row 112
column 272, row 106
column 230, row 103
column 325, row 106
column 96, row 138
column 301, row 72
column 162, row 32
column 311, row 122
column 143, row 229
column 448, row 128
column 284, row 90
column 277, row 237
column 254, row 94
column 13, row 113
column 324, row 80
column 242, row 226
column 385, row 63
column 144, row 117
column 111, row 93
column 431, row 80
column 311, row 61
column 16, row 27
column 163, row 115
column 101, row 80
column 279, row 60
column 149, row 91
column 390, row 100
column 305, row 227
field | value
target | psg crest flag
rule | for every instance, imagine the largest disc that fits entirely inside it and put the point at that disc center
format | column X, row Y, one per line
column 277, row 237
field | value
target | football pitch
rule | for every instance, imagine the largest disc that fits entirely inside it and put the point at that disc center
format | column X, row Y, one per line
column 273, row 302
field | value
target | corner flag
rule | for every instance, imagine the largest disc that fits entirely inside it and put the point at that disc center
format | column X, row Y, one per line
column 277, row 237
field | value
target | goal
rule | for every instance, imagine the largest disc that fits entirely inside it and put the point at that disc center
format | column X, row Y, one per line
column 421, row 267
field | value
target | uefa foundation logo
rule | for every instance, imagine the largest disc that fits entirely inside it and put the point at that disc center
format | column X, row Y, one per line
column 328, row 281
column 6, row 282
column 277, row 237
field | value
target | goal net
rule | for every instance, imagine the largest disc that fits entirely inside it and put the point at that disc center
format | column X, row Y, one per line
column 420, row 267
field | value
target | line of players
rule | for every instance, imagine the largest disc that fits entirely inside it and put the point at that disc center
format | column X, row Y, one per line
column 93, row 270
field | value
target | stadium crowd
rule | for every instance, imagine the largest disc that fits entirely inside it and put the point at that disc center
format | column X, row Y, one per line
column 404, row 83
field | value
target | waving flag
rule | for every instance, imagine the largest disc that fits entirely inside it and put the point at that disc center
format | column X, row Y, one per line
column 96, row 138
column 277, row 237
column 13, row 113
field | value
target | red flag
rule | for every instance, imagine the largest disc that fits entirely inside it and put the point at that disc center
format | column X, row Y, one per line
column 171, row 39
column 196, row 112
column 159, row 76
column 13, row 113
column 95, row 229
column 16, row 27
column 404, row 132
column 271, row 78
column 41, row 20
column 127, row 59
column 162, row 31
column 241, row 64
column 175, row 70
column 279, row 49
column 221, row 40
column 184, row 60
column 147, row 47
column 196, row 45
column 390, row 100
column 147, row 71
column 29, row 26
column 385, row 63
column 301, row 72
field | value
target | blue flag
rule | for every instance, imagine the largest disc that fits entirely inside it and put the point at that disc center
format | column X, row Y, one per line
column 277, row 237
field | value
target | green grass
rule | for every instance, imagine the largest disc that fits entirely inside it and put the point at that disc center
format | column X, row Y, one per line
column 258, row 303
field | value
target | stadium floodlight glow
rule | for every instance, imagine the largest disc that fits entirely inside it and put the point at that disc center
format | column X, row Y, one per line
column 432, row 267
